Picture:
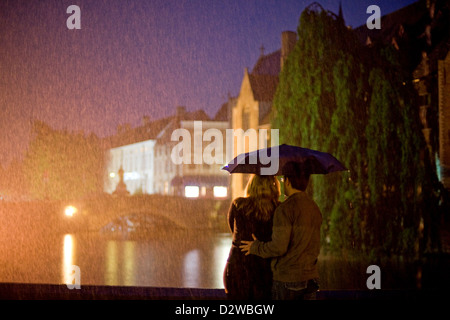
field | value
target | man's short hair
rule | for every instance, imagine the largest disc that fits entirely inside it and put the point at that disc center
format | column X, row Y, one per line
column 298, row 175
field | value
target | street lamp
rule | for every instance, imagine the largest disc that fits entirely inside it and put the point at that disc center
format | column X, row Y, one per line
column 69, row 211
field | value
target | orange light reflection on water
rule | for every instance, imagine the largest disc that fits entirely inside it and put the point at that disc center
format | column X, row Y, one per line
column 68, row 259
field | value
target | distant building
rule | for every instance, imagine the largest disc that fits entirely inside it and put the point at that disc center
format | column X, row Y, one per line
column 421, row 33
column 253, row 107
column 194, row 178
column 145, row 156
column 133, row 150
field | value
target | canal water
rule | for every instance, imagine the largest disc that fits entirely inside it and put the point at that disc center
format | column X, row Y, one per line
column 180, row 259
column 173, row 258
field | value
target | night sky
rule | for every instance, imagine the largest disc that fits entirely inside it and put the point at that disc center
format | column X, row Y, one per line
column 134, row 58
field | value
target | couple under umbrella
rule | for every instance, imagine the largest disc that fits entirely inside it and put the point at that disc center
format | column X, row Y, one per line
column 275, row 245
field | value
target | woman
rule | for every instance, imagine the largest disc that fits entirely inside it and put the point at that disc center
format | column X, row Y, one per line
column 250, row 277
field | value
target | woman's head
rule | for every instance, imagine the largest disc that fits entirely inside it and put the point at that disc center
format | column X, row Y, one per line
column 264, row 191
column 263, row 187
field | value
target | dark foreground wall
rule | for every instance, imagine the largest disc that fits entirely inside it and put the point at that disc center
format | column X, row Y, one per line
column 16, row 291
column 19, row 291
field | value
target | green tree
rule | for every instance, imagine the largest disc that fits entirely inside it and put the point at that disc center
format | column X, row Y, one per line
column 319, row 104
column 63, row 165
column 396, row 174
column 357, row 103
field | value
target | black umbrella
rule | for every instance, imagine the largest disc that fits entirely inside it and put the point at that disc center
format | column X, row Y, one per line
column 270, row 161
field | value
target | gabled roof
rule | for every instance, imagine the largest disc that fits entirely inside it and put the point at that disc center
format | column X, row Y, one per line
column 198, row 115
column 224, row 113
column 269, row 64
column 263, row 86
column 165, row 133
column 264, row 76
column 263, row 81
column 152, row 130
column 128, row 135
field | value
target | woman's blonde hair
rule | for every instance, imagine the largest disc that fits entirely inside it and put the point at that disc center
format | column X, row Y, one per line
column 265, row 191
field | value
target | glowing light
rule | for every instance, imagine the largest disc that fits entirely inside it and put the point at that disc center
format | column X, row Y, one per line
column 112, row 175
column 191, row 191
column 70, row 211
column 68, row 252
column 220, row 191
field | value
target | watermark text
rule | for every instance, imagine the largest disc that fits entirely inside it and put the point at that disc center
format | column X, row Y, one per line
column 374, row 21
column 223, row 150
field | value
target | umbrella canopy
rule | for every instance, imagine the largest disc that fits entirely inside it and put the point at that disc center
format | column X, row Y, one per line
column 270, row 161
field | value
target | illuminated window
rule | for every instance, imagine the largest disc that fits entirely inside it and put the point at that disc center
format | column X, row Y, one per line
column 220, row 192
column 191, row 191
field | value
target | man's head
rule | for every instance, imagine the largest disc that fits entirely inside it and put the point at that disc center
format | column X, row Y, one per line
column 296, row 177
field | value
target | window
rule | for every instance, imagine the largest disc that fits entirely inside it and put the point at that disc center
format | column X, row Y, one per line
column 191, row 191
column 220, row 192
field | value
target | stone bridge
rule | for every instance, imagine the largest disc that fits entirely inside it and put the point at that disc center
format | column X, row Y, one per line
column 182, row 212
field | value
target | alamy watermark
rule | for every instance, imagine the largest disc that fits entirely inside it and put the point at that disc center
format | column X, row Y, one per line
column 73, row 277
column 374, row 280
column 221, row 150
column 374, row 21
column 74, row 21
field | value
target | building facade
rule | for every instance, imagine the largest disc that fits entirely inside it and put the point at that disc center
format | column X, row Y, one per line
column 137, row 162
column 253, row 107
column 183, row 159
column 420, row 33
column 150, row 162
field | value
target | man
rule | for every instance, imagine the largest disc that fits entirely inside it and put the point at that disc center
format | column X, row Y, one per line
column 295, row 243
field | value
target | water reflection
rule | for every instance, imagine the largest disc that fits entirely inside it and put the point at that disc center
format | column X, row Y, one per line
column 120, row 263
column 111, row 269
column 190, row 259
column 68, row 259
column 206, row 263
column 221, row 251
column 129, row 256
column 191, row 274
column 184, row 259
